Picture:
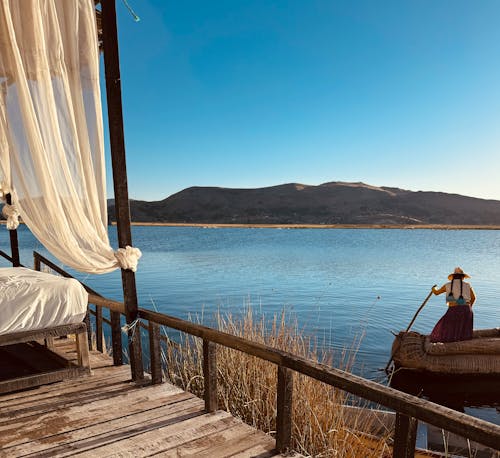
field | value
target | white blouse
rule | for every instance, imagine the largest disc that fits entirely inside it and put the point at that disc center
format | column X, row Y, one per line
column 456, row 290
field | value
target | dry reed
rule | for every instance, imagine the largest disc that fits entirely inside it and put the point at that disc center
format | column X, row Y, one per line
column 327, row 422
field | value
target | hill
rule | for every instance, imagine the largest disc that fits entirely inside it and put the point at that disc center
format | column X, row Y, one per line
column 328, row 203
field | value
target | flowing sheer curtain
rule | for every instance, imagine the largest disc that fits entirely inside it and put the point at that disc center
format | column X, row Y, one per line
column 51, row 133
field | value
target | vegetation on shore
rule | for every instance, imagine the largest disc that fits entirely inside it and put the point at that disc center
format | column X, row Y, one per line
column 325, row 226
column 326, row 421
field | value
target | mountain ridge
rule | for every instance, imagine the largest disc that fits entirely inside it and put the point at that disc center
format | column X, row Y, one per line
column 334, row 202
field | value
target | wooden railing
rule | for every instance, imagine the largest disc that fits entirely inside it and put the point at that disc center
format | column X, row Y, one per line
column 9, row 258
column 115, row 315
column 408, row 408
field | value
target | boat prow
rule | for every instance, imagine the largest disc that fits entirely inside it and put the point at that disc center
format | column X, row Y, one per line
column 479, row 355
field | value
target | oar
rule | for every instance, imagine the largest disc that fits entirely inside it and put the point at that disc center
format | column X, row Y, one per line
column 419, row 309
column 412, row 321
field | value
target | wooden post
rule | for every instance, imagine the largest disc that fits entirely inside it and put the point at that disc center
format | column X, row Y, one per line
column 405, row 436
column 49, row 342
column 284, row 409
column 155, row 353
column 98, row 328
column 82, row 349
column 86, row 320
column 117, row 142
column 116, row 338
column 14, row 244
column 210, row 375
column 37, row 265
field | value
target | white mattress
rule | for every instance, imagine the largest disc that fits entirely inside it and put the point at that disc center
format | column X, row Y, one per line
column 32, row 300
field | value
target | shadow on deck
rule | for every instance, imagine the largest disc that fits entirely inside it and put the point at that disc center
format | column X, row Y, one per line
column 105, row 414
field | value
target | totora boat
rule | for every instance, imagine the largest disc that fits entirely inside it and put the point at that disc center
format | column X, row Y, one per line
column 479, row 355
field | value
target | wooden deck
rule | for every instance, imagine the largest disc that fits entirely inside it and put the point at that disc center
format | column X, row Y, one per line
column 106, row 415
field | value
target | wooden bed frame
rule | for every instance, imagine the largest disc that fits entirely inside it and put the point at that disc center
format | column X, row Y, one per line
column 67, row 370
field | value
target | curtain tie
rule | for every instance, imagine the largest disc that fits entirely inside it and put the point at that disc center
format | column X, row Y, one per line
column 12, row 215
column 128, row 257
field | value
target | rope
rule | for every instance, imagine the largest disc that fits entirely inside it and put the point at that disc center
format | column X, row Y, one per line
column 131, row 327
column 12, row 215
column 131, row 11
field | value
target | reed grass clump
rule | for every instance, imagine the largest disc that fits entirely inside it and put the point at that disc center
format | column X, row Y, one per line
column 327, row 422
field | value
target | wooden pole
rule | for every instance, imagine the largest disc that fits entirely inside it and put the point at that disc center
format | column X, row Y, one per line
column 116, row 337
column 14, row 245
column 98, row 329
column 210, row 375
column 405, row 436
column 284, row 408
column 117, row 143
column 155, row 353
column 410, row 325
column 419, row 309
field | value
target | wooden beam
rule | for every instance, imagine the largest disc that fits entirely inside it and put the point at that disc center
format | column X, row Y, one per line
column 49, row 342
column 4, row 255
column 155, row 353
column 116, row 338
column 114, row 306
column 86, row 320
column 39, row 334
column 405, row 436
column 284, row 403
column 210, row 375
column 117, row 142
column 82, row 349
column 99, row 335
column 14, row 244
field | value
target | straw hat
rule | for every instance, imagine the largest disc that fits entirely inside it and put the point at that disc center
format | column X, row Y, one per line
column 458, row 271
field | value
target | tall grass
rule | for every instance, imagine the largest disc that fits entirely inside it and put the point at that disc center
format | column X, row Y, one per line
column 327, row 422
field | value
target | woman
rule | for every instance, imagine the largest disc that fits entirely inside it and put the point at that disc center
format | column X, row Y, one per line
column 456, row 324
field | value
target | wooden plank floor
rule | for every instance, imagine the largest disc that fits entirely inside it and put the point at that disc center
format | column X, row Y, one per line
column 106, row 415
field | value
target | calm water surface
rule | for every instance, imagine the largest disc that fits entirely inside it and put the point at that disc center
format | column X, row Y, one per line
column 340, row 284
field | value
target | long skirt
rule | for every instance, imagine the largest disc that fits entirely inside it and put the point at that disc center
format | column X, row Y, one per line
column 456, row 324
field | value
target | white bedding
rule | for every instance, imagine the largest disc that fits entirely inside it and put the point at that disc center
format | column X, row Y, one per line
column 31, row 300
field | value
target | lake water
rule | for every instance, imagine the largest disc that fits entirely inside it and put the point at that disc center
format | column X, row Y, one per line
column 339, row 283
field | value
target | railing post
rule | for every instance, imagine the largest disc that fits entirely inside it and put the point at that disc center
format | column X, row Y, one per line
column 82, row 350
column 116, row 338
column 89, row 328
column 155, row 352
column 405, row 436
column 49, row 343
column 284, row 409
column 36, row 262
column 98, row 328
column 210, row 375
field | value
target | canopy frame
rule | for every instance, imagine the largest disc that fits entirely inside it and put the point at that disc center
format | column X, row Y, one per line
column 106, row 29
column 119, row 167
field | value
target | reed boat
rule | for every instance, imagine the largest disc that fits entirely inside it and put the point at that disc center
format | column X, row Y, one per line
column 477, row 356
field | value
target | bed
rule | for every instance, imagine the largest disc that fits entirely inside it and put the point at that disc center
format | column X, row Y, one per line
column 31, row 300
column 38, row 307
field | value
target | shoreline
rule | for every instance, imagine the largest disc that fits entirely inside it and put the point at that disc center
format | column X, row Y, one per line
column 450, row 227
column 323, row 226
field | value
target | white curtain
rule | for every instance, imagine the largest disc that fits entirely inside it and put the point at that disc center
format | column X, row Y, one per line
column 51, row 133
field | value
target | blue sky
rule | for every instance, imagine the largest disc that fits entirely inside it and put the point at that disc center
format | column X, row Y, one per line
column 256, row 93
